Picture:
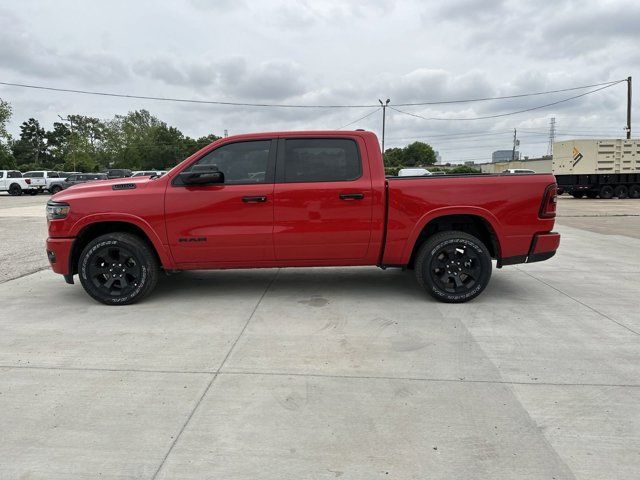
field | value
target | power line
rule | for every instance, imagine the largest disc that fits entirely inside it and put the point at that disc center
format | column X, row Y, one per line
column 508, row 113
column 504, row 97
column 181, row 100
column 361, row 118
column 282, row 105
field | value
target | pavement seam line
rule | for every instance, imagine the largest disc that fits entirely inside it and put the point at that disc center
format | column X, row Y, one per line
column 215, row 375
column 24, row 275
column 320, row 375
column 578, row 301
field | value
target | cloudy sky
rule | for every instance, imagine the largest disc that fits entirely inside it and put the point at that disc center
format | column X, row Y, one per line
column 330, row 52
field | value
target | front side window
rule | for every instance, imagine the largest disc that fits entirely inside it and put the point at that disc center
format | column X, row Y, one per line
column 14, row 174
column 241, row 163
column 321, row 160
column 53, row 175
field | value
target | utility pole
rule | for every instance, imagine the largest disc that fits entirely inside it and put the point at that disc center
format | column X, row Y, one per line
column 515, row 143
column 552, row 135
column 628, row 107
column 384, row 115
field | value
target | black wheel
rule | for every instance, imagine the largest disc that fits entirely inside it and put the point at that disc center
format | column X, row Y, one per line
column 453, row 266
column 55, row 189
column 15, row 190
column 606, row 192
column 118, row 269
column 634, row 191
column 621, row 191
column 592, row 194
column 577, row 194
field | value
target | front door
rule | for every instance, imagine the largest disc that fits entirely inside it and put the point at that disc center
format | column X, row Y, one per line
column 323, row 200
column 230, row 222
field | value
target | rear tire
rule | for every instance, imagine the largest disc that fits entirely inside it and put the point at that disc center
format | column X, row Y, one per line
column 15, row 190
column 621, row 191
column 606, row 192
column 634, row 191
column 118, row 269
column 453, row 266
column 33, row 191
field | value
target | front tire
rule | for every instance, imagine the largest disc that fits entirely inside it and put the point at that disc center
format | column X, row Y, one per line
column 118, row 269
column 55, row 189
column 453, row 266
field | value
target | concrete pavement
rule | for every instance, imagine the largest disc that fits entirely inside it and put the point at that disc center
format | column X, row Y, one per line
column 329, row 373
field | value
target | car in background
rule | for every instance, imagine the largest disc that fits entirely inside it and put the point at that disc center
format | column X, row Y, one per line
column 78, row 178
column 11, row 181
column 518, row 170
column 66, row 175
column 413, row 172
column 149, row 173
column 42, row 180
column 118, row 173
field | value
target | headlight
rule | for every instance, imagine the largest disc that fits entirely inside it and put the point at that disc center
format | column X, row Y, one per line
column 57, row 210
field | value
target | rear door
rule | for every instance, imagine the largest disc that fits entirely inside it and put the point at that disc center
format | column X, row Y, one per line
column 323, row 200
column 229, row 223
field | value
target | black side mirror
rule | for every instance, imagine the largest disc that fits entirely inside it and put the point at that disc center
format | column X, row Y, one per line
column 202, row 175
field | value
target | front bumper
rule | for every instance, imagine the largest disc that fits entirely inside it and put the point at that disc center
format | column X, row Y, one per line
column 59, row 254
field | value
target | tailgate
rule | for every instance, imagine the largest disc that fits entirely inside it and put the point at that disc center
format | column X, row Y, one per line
column 36, row 182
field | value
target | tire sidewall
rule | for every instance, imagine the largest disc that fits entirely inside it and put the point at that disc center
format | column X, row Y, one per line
column 432, row 287
column 95, row 292
column 15, row 190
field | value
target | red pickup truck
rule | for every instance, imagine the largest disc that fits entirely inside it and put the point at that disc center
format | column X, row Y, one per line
column 298, row 199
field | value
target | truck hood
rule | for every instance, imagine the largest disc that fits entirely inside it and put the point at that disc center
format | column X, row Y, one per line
column 99, row 188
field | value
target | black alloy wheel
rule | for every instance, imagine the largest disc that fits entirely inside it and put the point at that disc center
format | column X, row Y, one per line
column 15, row 190
column 118, row 269
column 453, row 266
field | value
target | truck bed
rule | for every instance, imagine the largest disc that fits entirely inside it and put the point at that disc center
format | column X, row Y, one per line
column 509, row 204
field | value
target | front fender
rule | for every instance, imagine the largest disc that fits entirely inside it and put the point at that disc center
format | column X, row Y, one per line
column 152, row 235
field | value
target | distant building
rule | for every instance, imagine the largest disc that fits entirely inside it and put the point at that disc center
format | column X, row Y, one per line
column 504, row 155
column 538, row 165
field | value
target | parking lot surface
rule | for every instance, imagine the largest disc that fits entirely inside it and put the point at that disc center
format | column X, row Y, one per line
column 326, row 372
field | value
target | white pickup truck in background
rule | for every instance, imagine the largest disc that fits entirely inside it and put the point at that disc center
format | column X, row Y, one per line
column 44, row 180
column 11, row 181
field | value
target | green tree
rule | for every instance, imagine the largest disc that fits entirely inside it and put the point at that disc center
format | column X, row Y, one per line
column 393, row 157
column 465, row 169
column 31, row 146
column 7, row 161
column 418, row 154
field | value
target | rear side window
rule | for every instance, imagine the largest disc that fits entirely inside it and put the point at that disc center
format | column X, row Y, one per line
column 72, row 178
column 34, row 174
column 241, row 163
column 321, row 160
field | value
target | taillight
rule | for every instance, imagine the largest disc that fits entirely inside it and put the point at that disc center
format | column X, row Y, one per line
column 549, row 202
column 27, row 181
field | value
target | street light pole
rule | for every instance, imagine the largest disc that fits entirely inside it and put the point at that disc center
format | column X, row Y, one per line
column 384, row 115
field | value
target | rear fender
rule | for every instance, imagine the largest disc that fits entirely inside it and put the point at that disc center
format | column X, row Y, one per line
column 481, row 213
